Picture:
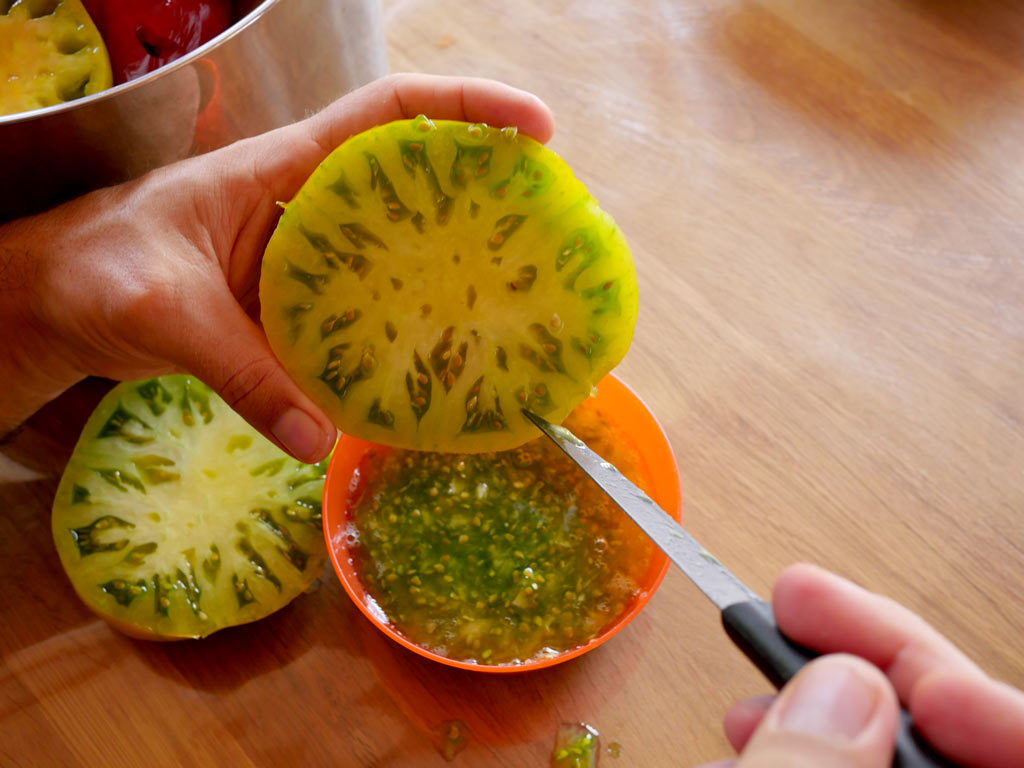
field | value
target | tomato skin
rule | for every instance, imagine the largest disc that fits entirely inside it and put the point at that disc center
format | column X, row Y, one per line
column 143, row 35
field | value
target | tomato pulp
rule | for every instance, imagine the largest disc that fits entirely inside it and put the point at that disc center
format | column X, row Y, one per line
column 497, row 558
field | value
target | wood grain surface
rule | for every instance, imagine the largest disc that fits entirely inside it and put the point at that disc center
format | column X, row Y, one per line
column 826, row 206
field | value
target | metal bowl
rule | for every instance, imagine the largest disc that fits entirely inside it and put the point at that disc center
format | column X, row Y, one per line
column 279, row 62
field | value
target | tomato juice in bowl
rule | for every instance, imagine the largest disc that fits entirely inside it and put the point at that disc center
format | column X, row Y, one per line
column 501, row 562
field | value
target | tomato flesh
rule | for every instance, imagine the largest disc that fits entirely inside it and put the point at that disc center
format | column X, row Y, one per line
column 144, row 35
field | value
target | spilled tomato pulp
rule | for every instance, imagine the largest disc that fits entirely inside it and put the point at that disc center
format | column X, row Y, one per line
column 577, row 745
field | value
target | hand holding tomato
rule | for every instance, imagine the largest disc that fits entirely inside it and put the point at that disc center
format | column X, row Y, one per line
column 159, row 275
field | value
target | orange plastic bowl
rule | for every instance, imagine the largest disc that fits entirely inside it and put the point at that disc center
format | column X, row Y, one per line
column 631, row 419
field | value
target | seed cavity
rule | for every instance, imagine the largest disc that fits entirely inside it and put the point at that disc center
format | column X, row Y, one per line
column 470, row 162
column 137, row 555
column 270, row 468
column 124, row 592
column 73, row 89
column 344, row 190
column 120, row 480
column 390, row 331
column 418, row 385
column 474, row 209
column 37, row 9
column 259, row 565
column 152, row 466
column 529, row 178
column 394, row 208
column 604, row 297
column 446, row 362
column 583, row 250
column 524, row 279
column 295, row 315
column 470, row 296
column 535, row 398
column 419, row 222
column 287, row 547
column 161, row 588
column 315, row 472
column 211, row 564
column 357, row 263
column 197, row 394
column 80, row 495
column 549, row 358
column 396, row 283
column 242, row 592
column 414, row 156
column 340, row 382
column 120, row 424
column 501, row 357
column 504, row 228
column 87, row 538
column 239, row 443
column 186, row 582
column 379, row 416
column 335, row 323
column 156, row 396
column 315, row 282
column 589, row 345
column 478, row 418
column 305, row 510
column 360, row 236
column 425, row 311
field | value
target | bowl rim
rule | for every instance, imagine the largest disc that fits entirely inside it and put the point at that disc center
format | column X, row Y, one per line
column 660, row 473
column 234, row 29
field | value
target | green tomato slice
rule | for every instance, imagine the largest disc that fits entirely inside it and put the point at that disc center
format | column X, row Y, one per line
column 432, row 279
column 175, row 518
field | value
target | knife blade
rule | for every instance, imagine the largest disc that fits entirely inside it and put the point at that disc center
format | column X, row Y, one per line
column 748, row 620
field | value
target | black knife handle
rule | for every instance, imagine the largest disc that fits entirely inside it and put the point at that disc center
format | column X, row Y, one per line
column 752, row 628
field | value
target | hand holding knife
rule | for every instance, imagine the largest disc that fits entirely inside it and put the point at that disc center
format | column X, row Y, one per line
column 748, row 620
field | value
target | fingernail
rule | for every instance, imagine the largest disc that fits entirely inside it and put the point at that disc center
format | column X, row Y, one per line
column 832, row 697
column 758, row 703
column 298, row 433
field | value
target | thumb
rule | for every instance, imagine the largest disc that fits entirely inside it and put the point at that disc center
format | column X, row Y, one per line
column 230, row 353
column 838, row 712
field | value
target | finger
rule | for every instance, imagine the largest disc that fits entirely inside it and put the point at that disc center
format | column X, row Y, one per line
column 286, row 157
column 229, row 352
column 403, row 96
column 974, row 720
column 743, row 718
column 838, row 712
column 830, row 614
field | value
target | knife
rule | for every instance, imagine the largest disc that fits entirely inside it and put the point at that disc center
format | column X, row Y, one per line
column 748, row 620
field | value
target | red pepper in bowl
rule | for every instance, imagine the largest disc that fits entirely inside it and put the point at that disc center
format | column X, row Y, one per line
column 143, row 35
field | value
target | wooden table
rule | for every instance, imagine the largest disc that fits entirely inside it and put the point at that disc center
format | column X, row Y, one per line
column 826, row 205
